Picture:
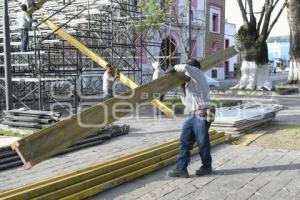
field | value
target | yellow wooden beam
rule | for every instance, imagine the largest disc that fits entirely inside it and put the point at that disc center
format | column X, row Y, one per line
column 91, row 191
column 51, row 184
column 37, row 6
column 106, row 179
column 101, row 62
column 103, row 173
column 103, row 178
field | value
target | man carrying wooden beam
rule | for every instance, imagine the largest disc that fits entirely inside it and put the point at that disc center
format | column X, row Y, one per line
column 195, row 127
column 69, row 131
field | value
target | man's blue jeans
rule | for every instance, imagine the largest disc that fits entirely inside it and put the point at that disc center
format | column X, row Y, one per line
column 24, row 39
column 195, row 129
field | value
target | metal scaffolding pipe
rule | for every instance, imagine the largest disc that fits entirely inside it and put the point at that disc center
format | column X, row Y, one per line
column 7, row 58
column 189, row 31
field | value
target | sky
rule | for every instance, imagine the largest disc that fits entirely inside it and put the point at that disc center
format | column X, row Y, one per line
column 233, row 15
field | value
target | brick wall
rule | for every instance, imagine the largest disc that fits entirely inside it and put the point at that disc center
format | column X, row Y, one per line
column 215, row 41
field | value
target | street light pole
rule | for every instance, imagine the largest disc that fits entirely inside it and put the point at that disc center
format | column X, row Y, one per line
column 7, row 58
column 189, row 32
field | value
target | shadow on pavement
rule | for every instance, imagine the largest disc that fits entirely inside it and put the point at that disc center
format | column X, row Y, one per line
column 257, row 169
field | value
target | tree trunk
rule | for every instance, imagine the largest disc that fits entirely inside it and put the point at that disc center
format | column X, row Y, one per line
column 254, row 56
column 294, row 18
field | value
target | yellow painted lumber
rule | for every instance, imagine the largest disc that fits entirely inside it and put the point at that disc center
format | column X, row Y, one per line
column 133, row 175
column 103, row 178
column 37, row 6
column 96, row 180
column 247, row 139
column 120, row 180
column 220, row 140
column 101, row 62
column 216, row 136
column 54, row 184
column 106, row 163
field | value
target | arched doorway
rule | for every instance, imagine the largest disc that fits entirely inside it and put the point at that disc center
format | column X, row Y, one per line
column 168, row 52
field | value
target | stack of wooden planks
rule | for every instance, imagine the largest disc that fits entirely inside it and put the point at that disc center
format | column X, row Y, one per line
column 30, row 118
column 245, row 118
column 95, row 179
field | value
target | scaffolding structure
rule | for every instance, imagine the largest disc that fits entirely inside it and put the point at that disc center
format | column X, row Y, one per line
column 55, row 73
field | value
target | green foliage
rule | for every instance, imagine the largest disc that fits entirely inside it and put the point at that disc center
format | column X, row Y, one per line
column 153, row 14
column 298, row 129
column 224, row 103
column 173, row 100
column 245, row 37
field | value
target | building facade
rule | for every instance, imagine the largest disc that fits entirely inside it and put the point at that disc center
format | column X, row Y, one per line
column 171, row 38
column 279, row 48
column 169, row 42
column 214, row 34
column 230, row 64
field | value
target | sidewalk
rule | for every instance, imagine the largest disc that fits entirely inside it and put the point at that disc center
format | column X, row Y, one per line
column 240, row 173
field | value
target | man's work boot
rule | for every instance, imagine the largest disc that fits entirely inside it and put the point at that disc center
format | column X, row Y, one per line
column 183, row 173
column 204, row 171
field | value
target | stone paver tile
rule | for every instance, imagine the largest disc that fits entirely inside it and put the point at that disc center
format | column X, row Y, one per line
column 180, row 192
column 293, row 187
column 204, row 194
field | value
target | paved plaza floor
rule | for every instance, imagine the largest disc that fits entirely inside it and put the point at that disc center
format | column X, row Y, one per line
column 239, row 173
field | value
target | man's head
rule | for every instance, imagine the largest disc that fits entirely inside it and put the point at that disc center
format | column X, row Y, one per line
column 24, row 7
column 109, row 68
column 193, row 62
